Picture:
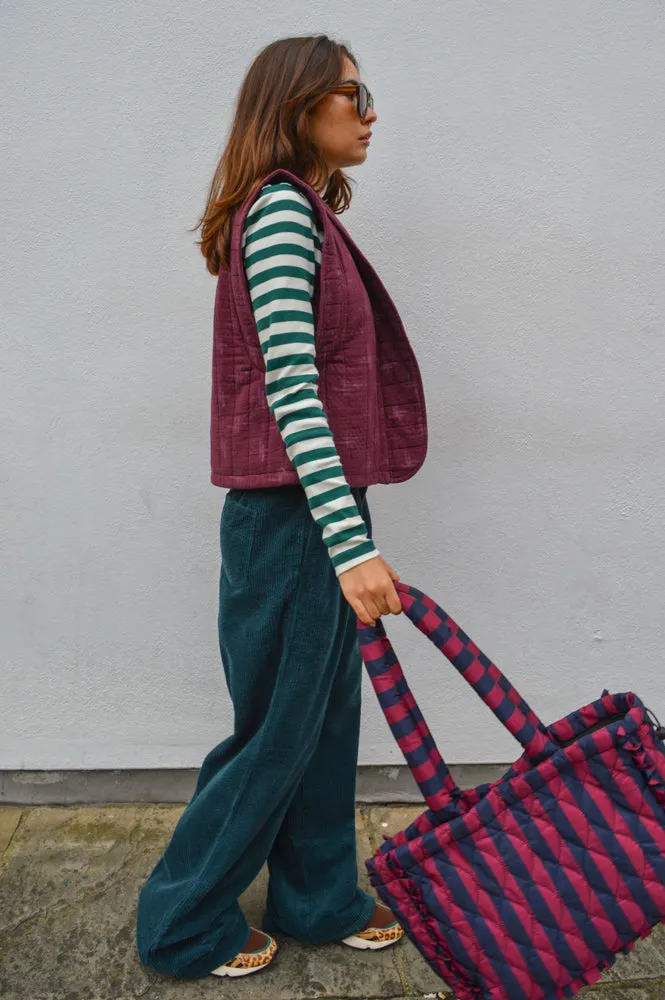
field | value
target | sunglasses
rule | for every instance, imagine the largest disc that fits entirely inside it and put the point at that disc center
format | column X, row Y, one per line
column 364, row 99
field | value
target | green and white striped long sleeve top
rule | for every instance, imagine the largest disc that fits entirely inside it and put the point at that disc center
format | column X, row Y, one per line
column 281, row 246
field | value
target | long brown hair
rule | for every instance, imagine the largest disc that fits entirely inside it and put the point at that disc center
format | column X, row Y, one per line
column 271, row 129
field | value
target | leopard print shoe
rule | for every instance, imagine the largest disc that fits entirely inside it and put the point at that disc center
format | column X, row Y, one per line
column 375, row 937
column 246, row 962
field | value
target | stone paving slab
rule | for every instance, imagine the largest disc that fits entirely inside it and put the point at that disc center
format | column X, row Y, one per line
column 645, row 962
column 67, row 917
column 649, row 992
column 9, row 820
column 70, row 877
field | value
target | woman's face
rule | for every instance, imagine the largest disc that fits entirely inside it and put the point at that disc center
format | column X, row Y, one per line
column 337, row 127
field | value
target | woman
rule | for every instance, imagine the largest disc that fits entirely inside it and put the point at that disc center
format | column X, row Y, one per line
column 316, row 394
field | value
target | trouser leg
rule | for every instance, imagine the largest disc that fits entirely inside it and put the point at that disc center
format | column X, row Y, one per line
column 280, row 646
column 313, row 890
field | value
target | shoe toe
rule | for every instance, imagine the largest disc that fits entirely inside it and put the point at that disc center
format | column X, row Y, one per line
column 246, row 962
column 374, row 938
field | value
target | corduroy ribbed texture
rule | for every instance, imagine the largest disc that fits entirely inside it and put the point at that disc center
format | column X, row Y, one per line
column 281, row 788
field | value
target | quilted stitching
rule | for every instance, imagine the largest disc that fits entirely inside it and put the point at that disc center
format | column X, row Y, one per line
column 370, row 383
column 529, row 887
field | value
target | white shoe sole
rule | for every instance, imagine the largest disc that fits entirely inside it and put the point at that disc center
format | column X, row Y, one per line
column 232, row 971
column 224, row 970
column 364, row 944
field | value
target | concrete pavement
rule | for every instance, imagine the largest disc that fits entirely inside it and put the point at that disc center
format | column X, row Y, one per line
column 69, row 878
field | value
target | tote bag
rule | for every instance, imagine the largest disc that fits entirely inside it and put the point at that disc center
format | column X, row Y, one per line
column 528, row 887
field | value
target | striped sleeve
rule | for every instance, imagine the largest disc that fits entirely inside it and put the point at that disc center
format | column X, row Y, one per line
column 281, row 251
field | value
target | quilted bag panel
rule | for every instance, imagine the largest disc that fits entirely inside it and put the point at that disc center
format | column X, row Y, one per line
column 528, row 887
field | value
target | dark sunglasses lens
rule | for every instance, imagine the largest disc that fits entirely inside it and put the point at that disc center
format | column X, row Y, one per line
column 364, row 100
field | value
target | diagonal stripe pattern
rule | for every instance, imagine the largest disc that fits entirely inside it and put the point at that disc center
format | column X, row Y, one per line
column 529, row 887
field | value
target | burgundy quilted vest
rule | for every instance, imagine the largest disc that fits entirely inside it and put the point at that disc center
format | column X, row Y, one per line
column 369, row 381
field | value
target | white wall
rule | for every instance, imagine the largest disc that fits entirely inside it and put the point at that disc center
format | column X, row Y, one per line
column 512, row 202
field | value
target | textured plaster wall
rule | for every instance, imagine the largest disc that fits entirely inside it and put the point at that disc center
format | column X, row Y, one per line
column 512, row 202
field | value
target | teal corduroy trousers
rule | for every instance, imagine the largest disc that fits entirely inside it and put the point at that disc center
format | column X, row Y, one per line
column 280, row 789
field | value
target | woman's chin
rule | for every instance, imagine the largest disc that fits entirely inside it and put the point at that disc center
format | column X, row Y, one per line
column 356, row 157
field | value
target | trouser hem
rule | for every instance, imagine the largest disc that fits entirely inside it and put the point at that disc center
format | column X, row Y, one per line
column 225, row 950
column 269, row 926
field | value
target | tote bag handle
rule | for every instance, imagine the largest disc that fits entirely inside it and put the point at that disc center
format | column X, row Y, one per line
column 405, row 718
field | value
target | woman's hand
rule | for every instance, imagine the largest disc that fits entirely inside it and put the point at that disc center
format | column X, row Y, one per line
column 370, row 591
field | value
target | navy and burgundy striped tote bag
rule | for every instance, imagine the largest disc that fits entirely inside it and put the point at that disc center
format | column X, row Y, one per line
column 528, row 887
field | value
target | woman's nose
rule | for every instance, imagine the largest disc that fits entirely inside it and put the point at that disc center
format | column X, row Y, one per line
column 370, row 117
